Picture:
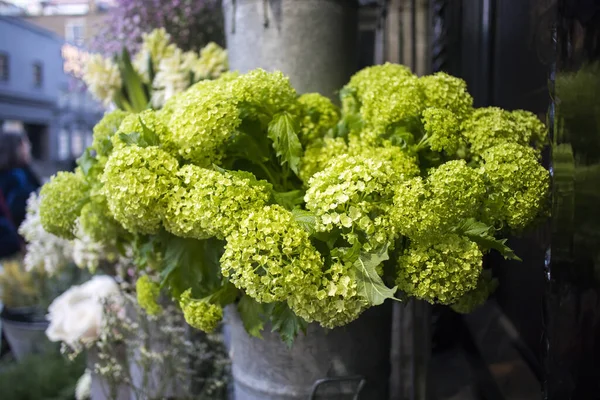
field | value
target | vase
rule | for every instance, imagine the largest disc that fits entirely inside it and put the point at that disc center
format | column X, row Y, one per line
column 352, row 360
column 314, row 42
column 25, row 330
column 152, row 379
column 101, row 388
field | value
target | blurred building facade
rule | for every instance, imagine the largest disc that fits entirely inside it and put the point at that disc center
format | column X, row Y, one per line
column 38, row 95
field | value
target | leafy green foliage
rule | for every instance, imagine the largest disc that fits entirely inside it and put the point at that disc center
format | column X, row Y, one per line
column 135, row 95
column 47, row 375
column 290, row 200
column 251, row 313
column 480, row 234
column 286, row 323
column 370, row 284
column 306, row 219
column 283, row 131
column 190, row 263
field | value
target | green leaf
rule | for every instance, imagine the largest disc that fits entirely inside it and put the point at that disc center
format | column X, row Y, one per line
column 283, row 132
column 227, row 294
column 286, row 323
column 134, row 86
column 86, row 161
column 191, row 263
column 106, row 146
column 306, row 219
column 369, row 283
column 251, row 313
column 329, row 238
column 480, row 234
column 348, row 254
column 290, row 199
column 148, row 136
column 130, row 138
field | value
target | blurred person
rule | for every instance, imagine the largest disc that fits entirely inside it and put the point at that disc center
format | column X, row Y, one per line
column 17, row 180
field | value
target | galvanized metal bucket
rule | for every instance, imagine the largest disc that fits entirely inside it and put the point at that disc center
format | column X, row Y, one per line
column 350, row 362
column 314, row 42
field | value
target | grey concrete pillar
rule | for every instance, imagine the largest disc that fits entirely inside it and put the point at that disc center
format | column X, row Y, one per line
column 314, row 42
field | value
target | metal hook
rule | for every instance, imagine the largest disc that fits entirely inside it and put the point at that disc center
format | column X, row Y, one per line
column 362, row 382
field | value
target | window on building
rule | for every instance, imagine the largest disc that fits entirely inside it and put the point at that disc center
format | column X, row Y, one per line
column 38, row 74
column 75, row 31
column 4, row 70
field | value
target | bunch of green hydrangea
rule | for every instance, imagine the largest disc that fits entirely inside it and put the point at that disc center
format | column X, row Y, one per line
column 202, row 123
column 492, row 126
column 147, row 295
column 270, row 256
column 388, row 94
column 97, row 222
column 441, row 269
column 61, row 201
column 442, row 130
column 138, row 123
column 262, row 92
column 105, row 129
column 354, row 194
column 136, row 183
column 486, row 285
column 200, row 314
column 318, row 154
column 206, row 203
column 318, row 116
column 447, row 92
column 451, row 193
column 334, row 302
column 518, row 185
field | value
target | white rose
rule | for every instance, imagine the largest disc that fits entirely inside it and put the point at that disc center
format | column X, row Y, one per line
column 76, row 316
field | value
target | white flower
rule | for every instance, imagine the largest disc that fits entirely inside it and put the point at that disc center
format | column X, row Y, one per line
column 212, row 62
column 76, row 316
column 173, row 76
column 84, row 386
column 102, row 77
column 45, row 251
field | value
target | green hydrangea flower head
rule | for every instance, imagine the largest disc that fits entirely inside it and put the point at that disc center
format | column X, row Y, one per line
column 202, row 123
column 206, row 203
column 388, row 94
column 136, row 181
column 148, row 292
column 270, row 256
column 486, row 285
column 354, row 194
column 447, row 92
column 442, row 130
column 518, row 185
column 318, row 116
column 262, row 92
column 440, row 270
column 492, row 126
column 61, row 201
column 424, row 208
column 105, row 129
column 531, row 124
column 97, row 222
column 318, row 154
column 200, row 314
column 132, row 123
column 334, row 302
column 370, row 78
